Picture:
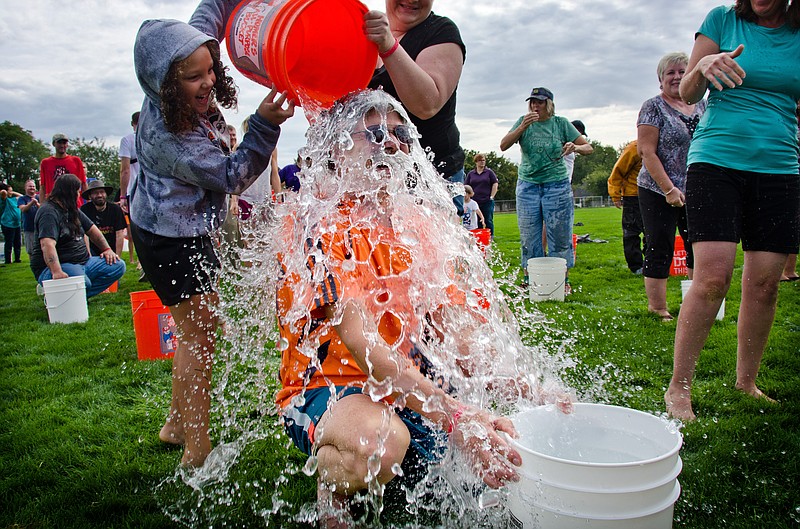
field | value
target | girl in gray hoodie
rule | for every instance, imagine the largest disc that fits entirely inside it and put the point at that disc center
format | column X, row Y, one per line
column 178, row 198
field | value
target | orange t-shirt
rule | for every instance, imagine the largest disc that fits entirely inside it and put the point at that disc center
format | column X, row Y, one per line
column 365, row 263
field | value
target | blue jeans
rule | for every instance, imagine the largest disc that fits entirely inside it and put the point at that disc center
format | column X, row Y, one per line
column 487, row 208
column 551, row 205
column 98, row 274
column 458, row 200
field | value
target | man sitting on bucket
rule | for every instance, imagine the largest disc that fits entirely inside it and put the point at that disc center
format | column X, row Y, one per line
column 60, row 250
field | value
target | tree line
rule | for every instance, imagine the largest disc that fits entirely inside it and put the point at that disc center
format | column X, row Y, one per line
column 20, row 154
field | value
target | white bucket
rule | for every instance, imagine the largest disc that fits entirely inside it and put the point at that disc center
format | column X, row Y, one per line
column 546, row 277
column 599, row 467
column 65, row 299
column 686, row 283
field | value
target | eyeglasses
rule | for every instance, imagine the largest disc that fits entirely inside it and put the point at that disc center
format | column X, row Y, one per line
column 377, row 133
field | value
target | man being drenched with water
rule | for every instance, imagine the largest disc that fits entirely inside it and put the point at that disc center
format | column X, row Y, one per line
column 389, row 316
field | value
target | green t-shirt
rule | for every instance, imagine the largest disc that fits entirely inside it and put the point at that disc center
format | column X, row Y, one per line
column 541, row 145
column 752, row 127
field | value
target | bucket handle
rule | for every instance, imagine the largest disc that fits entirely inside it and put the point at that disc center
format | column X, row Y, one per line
column 48, row 307
column 548, row 294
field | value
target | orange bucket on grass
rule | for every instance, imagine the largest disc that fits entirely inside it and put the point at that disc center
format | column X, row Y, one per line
column 483, row 236
column 113, row 287
column 314, row 49
column 679, row 267
column 574, row 246
column 154, row 327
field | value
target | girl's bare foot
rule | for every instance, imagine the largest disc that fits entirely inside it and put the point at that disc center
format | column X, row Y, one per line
column 663, row 314
column 171, row 434
column 679, row 406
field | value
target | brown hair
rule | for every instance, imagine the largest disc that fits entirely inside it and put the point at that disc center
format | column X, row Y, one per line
column 744, row 10
column 178, row 114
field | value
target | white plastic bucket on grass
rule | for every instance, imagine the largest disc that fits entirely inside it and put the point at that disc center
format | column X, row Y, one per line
column 600, row 467
column 686, row 283
column 547, row 278
column 65, row 299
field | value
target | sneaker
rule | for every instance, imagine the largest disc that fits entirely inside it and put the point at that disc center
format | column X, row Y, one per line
column 567, row 288
column 39, row 290
column 143, row 278
column 637, row 272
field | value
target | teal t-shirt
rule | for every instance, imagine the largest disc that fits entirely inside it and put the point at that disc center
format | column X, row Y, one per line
column 752, row 127
column 541, row 145
column 10, row 216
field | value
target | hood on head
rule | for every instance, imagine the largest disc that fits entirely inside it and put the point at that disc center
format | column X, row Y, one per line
column 159, row 43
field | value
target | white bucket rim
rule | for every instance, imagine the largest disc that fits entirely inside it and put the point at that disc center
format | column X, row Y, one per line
column 670, row 501
column 546, row 260
column 672, row 451
column 673, row 475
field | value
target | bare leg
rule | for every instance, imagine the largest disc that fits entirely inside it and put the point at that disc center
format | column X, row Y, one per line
column 188, row 418
column 760, row 278
column 712, row 277
column 789, row 269
column 656, row 290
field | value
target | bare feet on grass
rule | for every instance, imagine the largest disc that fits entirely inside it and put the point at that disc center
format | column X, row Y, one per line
column 679, row 405
column 753, row 391
column 662, row 313
column 171, row 434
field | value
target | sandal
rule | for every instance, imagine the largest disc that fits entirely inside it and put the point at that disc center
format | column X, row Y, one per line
column 567, row 288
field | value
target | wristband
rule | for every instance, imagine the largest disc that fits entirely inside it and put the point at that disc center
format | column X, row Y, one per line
column 670, row 191
column 454, row 418
column 390, row 51
column 125, row 197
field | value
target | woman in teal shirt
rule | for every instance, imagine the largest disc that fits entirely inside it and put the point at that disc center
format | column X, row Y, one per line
column 742, row 181
column 544, row 193
column 10, row 219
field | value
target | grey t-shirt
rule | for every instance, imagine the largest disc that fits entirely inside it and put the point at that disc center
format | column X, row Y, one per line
column 51, row 223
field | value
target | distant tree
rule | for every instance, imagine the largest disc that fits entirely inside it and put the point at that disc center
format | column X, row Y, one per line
column 101, row 162
column 596, row 184
column 20, row 154
column 505, row 169
column 602, row 160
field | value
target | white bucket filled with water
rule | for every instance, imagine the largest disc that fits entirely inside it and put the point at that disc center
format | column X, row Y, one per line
column 546, row 278
column 686, row 283
column 600, row 467
column 65, row 299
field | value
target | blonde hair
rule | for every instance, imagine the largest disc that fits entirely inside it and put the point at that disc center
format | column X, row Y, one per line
column 676, row 57
column 468, row 190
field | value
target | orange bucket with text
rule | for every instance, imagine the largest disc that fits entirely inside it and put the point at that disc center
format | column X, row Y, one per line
column 154, row 327
column 314, row 49
column 679, row 267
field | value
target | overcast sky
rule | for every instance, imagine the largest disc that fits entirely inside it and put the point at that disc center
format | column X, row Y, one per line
column 68, row 66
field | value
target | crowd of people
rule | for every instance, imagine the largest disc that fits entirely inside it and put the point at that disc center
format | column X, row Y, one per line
column 719, row 171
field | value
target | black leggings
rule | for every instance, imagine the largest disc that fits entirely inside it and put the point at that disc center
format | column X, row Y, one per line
column 660, row 220
column 13, row 242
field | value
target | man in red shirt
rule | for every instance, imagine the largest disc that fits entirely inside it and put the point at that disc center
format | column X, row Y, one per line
column 58, row 164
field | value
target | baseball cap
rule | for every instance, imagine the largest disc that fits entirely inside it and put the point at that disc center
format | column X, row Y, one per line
column 58, row 137
column 541, row 93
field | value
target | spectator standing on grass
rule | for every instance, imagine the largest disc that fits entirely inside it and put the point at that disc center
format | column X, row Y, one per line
column 106, row 215
column 743, row 182
column 288, row 175
column 544, row 193
column 60, row 248
column 569, row 159
column 472, row 213
column 11, row 221
column 624, row 192
column 665, row 127
column 484, row 184
column 128, row 170
column 28, row 206
column 52, row 167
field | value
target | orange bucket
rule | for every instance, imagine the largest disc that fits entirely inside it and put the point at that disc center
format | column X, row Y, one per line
column 483, row 236
column 154, row 327
column 314, row 49
column 679, row 267
column 113, row 287
column 574, row 246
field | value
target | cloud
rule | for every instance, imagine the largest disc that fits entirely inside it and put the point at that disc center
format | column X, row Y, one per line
column 69, row 67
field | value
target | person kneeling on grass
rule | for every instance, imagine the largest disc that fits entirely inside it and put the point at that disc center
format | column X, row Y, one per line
column 369, row 319
column 59, row 247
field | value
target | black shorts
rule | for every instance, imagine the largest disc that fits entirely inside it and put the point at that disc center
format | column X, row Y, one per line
column 762, row 210
column 177, row 267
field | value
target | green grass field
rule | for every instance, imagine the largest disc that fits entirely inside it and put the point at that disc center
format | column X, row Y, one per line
column 80, row 414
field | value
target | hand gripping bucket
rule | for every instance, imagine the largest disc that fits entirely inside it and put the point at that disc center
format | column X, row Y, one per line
column 153, row 326
column 65, row 299
column 314, row 49
column 547, row 277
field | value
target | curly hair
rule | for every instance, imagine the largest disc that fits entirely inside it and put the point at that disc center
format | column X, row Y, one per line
column 744, row 10
column 177, row 112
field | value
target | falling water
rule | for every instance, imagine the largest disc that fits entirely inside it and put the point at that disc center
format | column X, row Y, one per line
column 255, row 473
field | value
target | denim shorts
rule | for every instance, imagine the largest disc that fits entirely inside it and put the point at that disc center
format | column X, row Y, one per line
column 549, row 205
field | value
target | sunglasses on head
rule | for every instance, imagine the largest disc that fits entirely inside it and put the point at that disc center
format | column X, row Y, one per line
column 377, row 133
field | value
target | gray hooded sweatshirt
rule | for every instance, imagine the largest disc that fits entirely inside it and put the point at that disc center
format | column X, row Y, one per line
column 184, row 178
